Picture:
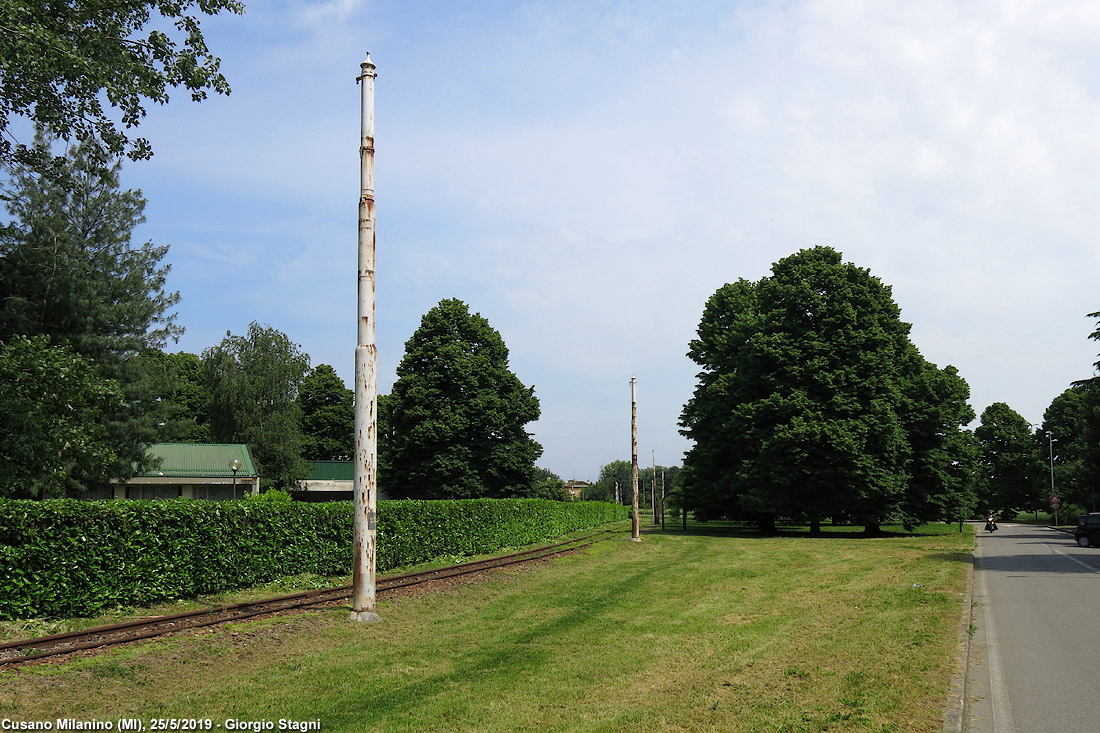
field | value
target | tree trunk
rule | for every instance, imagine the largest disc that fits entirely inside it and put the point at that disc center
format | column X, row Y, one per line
column 766, row 524
column 815, row 526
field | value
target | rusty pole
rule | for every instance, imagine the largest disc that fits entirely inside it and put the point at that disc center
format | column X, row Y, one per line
column 662, row 499
column 634, row 458
column 366, row 372
column 653, row 488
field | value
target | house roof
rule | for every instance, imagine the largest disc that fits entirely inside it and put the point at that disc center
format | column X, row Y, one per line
column 331, row 471
column 199, row 460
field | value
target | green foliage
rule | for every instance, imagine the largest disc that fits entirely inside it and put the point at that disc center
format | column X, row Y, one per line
column 70, row 271
column 328, row 416
column 547, row 485
column 411, row 532
column 1065, row 420
column 191, row 395
column 812, row 402
column 455, row 418
column 51, row 402
column 1010, row 469
column 60, row 60
column 254, row 382
column 75, row 558
column 616, row 472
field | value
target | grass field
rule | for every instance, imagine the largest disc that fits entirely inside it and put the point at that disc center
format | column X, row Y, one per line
column 709, row 630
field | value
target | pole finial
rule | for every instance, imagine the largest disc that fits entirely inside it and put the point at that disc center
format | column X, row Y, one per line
column 366, row 67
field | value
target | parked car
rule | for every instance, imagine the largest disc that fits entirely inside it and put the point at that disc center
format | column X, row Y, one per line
column 1088, row 530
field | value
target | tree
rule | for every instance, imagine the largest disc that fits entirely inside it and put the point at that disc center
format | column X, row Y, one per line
column 328, row 416
column 1064, row 419
column 942, row 453
column 457, row 413
column 803, row 399
column 70, row 271
column 1010, row 471
column 51, row 401
column 60, row 60
column 254, row 382
column 547, row 485
column 192, row 394
column 616, row 472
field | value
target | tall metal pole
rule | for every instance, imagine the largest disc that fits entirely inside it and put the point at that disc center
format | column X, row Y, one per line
column 634, row 458
column 662, row 499
column 653, row 486
column 1053, row 496
column 366, row 373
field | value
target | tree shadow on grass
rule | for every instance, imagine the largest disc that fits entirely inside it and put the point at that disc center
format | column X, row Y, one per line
column 724, row 529
column 503, row 659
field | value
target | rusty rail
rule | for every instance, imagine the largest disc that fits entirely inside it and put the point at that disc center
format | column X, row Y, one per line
column 25, row 650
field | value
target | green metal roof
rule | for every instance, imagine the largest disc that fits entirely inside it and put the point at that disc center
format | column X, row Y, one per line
column 331, row 471
column 200, row 460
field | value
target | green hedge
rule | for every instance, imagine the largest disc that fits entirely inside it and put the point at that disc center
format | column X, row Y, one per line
column 68, row 557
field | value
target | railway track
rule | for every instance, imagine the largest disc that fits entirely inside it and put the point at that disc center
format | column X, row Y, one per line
column 26, row 650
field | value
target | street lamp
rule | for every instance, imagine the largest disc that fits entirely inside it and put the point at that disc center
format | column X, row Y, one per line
column 1053, row 497
column 234, row 466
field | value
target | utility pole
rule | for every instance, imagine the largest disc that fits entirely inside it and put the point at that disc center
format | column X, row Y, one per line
column 662, row 500
column 653, row 486
column 634, row 458
column 1054, row 502
column 366, row 372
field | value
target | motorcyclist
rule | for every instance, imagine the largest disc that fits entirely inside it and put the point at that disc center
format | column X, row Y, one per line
column 990, row 524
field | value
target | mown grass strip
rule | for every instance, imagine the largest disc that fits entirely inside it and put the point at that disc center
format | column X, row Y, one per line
column 716, row 631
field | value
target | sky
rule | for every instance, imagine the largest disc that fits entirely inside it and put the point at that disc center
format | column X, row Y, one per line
column 586, row 174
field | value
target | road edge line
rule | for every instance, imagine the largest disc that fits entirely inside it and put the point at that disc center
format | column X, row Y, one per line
column 954, row 715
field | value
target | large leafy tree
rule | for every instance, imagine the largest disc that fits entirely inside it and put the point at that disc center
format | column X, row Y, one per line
column 616, row 472
column 51, row 403
column 328, row 416
column 806, row 399
column 191, row 394
column 457, row 414
column 254, row 382
column 1010, row 470
column 60, row 60
column 1064, row 419
column 941, row 463
column 1090, row 425
column 69, row 270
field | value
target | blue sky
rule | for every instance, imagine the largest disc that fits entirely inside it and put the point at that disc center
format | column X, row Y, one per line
column 586, row 174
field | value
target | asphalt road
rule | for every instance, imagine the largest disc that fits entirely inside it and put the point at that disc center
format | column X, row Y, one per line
column 1035, row 665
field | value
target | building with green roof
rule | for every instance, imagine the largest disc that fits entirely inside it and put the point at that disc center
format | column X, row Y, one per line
column 330, row 481
column 194, row 471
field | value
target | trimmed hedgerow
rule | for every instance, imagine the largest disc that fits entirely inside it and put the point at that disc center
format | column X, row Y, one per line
column 67, row 557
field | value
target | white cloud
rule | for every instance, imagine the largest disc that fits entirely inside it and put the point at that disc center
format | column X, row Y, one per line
column 588, row 174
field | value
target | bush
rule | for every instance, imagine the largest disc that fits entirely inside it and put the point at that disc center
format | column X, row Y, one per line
column 67, row 557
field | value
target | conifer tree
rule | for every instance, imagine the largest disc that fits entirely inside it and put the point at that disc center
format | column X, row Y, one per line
column 70, row 271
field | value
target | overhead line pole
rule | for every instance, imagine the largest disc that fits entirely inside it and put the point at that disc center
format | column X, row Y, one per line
column 634, row 458
column 366, row 372
column 653, row 486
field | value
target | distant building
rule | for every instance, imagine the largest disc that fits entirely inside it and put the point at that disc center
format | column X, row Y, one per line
column 330, row 481
column 576, row 488
column 193, row 471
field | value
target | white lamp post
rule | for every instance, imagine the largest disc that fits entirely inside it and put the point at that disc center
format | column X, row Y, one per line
column 234, row 466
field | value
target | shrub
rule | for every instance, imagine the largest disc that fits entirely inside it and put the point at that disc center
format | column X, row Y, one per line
column 67, row 557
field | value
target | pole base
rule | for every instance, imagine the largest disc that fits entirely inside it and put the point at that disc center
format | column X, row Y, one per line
column 365, row 617
column 635, row 539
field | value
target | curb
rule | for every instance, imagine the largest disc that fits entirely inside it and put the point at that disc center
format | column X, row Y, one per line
column 954, row 716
